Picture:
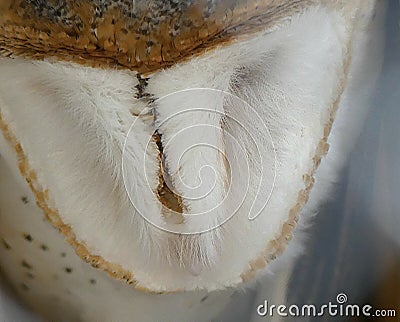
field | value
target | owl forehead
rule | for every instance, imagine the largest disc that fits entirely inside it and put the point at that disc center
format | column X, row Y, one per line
column 68, row 13
column 139, row 35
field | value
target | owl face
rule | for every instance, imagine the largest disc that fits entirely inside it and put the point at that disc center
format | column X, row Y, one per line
column 175, row 144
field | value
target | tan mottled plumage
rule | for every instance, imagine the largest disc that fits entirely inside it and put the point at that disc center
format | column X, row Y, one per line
column 143, row 36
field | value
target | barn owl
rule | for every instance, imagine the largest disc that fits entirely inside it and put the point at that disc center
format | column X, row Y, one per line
column 158, row 155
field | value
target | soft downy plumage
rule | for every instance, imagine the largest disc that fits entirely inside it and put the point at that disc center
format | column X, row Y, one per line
column 65, row 127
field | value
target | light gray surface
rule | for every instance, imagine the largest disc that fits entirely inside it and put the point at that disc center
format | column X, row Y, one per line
column 11, row 310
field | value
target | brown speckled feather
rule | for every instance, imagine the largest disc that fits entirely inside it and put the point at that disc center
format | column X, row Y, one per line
column 139, row 35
